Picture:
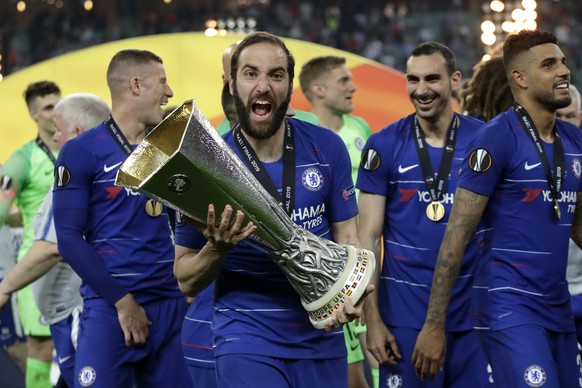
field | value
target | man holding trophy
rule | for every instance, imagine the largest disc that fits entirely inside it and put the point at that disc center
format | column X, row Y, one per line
column 263, row 335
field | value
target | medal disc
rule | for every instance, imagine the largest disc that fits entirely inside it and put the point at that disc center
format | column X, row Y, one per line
column 435, row 211
column 153, row 208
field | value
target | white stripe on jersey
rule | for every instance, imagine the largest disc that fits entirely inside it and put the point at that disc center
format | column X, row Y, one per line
column 309, row 164
column 393, row 182
column 516, row 289
column 407, row 246
column 127, row 274
column 520, row 251
column 199, row 360
column 404, row 281
column 114, row 239
column 525, row 180
column 197, row 320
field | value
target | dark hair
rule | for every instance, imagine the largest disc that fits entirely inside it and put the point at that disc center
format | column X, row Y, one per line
column 130, row 58
column 228, row 105
column 487, row 93
column 262, row 37
column 518, row 43
column 428, row 48
column 314, row 68
column 40, row 89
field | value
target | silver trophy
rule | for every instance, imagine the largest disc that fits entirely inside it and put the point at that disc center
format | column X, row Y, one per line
column 184, row 163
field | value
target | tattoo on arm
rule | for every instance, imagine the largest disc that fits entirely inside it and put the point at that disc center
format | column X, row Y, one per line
column 465, row 215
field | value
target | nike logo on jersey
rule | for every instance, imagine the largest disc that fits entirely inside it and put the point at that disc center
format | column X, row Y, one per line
column 61, row 360
column 530, row 166
column 107, row 168
column 402, row 170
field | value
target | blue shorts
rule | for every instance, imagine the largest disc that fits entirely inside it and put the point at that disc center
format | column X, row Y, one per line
column 62, row 333
column 202, row 377
column 465, row 364
column 103, row 360
column 531, row 356
column 10, row 328
column 254, row 371
column 577, row 312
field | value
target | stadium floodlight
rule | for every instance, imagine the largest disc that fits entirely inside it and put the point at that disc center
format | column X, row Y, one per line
column 529, row 4
column 488, row 26
column 497, row 6
column 488, row 38
column 508, row 26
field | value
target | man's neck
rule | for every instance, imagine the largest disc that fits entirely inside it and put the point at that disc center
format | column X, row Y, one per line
column 435, row 133
column 268, row 150
column 543, row 119
column 133, row 130
column 328, row 119
column 47, row 139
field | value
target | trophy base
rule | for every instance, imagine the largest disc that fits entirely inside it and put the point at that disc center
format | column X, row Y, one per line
column 352, row 283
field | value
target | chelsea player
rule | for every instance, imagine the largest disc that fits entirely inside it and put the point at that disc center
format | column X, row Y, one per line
column 119, row 242
column 262, row 334
column 407, row 179
column 522, row 177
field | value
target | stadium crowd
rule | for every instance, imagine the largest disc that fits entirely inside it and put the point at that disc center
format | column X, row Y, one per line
column 382, row 30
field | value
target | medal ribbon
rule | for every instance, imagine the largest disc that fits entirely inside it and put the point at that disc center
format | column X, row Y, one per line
column 558, row 173
column 118, row 136
column 45, row 149
column 438, row 186
column 287, row 198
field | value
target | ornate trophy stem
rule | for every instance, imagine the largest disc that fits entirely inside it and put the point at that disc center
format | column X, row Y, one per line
column 185, row 148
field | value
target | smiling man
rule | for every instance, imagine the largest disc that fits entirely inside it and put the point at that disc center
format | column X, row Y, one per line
column 407, row 181
column 328, row 84
column 522, row 178
column 119, row 242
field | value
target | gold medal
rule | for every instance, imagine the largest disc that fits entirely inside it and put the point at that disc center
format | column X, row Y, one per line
column 153, row 208
column 435, row 211
column 557, row 209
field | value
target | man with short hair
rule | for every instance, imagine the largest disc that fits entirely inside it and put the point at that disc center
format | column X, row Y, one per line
column 120, row 242
column 407, row 179
column 522, row 177
column 328, row 84
column 262, row 334
column 26, row 178
column 57, row 291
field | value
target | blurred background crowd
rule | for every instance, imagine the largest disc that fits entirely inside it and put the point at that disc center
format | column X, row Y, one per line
column 382, row 30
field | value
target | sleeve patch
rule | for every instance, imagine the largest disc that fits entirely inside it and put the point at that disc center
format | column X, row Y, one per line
column 480, row 160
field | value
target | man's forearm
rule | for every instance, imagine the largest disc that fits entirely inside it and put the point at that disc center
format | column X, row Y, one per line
column 39, row 259
column 195, row 270
column 465, row 216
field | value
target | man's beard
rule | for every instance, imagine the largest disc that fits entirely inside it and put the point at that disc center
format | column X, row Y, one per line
column 262, row 130
column 555, row 104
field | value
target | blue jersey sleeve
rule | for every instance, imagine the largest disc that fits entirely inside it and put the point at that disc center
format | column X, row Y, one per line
column 188, row 236
column 375, row 165
column 487, row 159
column 342, row 200
column 71, row 203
